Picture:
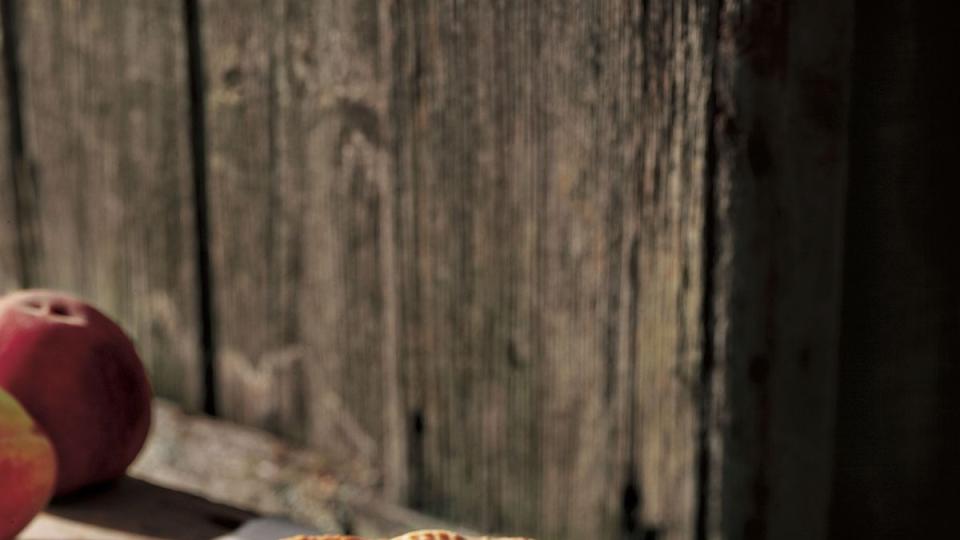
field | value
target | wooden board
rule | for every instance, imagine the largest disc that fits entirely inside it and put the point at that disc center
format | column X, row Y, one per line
column 550, row 209
column 325, row 489
column 297, row 173
column 108, row 198
column 135, row 510
column 200, row 477
column 780, row 145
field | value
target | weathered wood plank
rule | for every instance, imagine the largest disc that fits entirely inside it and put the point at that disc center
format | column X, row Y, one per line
column 780, row 147
column 897, row 474
column 297, row 182
column 255, row 241
column 550, row 173
column 328, row 487
column 105, row 122
column 135, row 510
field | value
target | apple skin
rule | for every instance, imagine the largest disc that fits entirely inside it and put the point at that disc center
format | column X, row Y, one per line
column 28, row 467
column 77, row 373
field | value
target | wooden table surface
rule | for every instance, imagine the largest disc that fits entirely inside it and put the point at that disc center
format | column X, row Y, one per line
column 238, row 466
column 134, row 510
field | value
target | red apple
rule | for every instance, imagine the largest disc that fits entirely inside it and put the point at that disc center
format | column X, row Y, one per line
column 28, row 467
column 79, row 376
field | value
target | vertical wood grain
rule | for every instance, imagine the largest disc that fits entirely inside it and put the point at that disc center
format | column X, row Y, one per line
column 550, row 166
column 104, row 108
column 299, row 200
column 434, row 229
column 780, row 151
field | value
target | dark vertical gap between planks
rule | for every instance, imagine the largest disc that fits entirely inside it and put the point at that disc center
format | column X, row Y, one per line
column 191, row 17
column 706, row 367
column 707, row 310
column 11, row 67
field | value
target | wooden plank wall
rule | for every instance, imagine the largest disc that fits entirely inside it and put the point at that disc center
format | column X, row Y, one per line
column 569, row 270
column 459, row 218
